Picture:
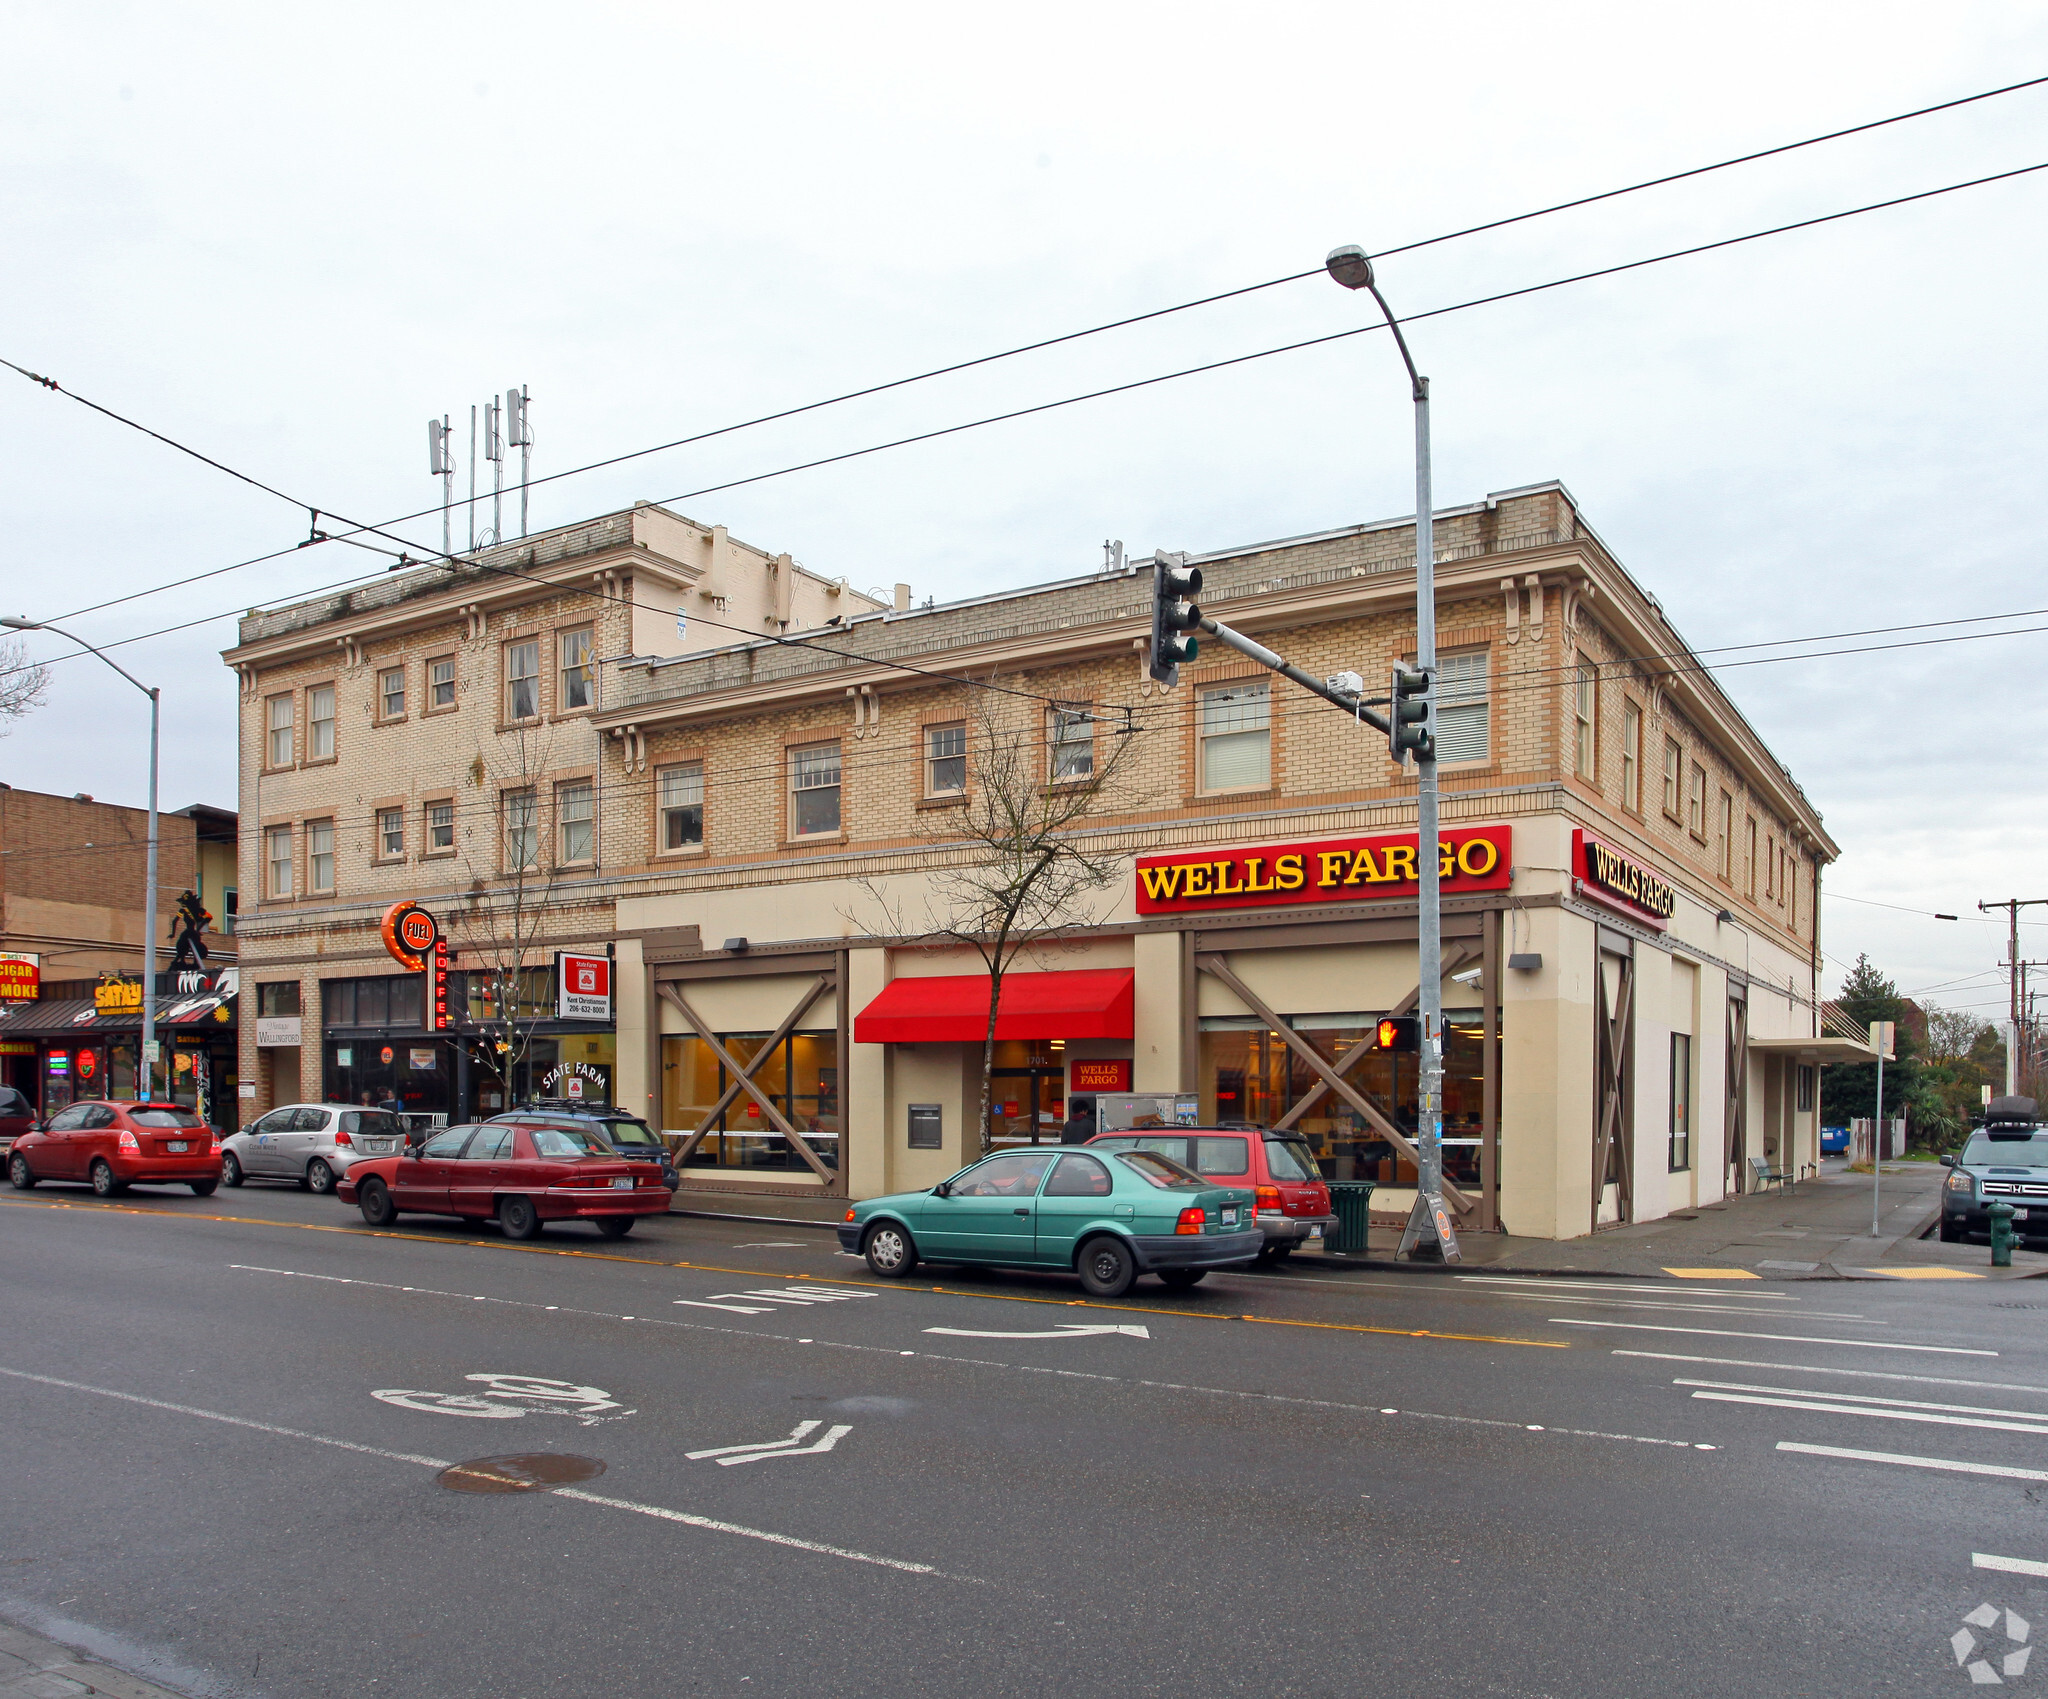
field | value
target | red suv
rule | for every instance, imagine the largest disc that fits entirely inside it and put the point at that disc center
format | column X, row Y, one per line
column 1293, row 1206
column 117, row 1145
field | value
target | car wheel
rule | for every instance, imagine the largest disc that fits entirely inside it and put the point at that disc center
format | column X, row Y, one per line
column 231, row 1169
column 19, row 1175
column 319, row 1177
column 615, row 1226
column 1180, row 1279
column 103, row 1181
column 1951, row 1232
column 202, row 1188
column 373, row 1198
column 519, row 1218
column 890, row 1251
column 1107, row 1267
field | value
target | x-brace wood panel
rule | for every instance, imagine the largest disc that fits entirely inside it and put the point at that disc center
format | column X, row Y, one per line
column 742, row 1077
column 1735, row 1140
column 1219, row 970
column 1613, row 1119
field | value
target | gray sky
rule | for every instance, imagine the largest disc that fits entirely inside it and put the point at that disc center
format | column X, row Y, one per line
column 287, row 237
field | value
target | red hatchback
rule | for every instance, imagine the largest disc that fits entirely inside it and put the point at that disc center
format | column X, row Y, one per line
column 524, row 1177
column 117, row 1145
column 1294, row 1204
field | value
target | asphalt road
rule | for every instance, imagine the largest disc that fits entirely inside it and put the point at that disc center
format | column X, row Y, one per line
column 226, row 1422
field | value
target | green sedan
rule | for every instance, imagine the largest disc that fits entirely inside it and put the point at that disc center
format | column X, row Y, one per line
column 1109, row 1217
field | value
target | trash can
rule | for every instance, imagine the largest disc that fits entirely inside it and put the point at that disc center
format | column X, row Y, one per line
column 1352, row 1200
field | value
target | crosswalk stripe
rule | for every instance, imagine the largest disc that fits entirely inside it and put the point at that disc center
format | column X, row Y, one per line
column 2002, row 1471
column 1785, row 1338
column 1872, row 1410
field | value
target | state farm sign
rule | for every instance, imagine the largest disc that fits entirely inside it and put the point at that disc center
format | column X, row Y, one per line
column 1328, row 870
column 583, row 987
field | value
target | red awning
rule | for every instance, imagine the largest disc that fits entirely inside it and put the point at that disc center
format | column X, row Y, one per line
column 953, row 1008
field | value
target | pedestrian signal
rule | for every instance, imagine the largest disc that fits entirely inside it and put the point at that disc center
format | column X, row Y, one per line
column 1397, row 1033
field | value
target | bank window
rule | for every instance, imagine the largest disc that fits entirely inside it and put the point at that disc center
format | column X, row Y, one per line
column 320, row 723
column 1585, row 705
column 814, row 790
column 1462, row 729
column 278, row 732
column 522, row 831
column 1071, row 736
column 1631, row 757
column 319, row 855
column 440, row 827
column 391, row 693
column 391, row 833
column 522, row 679
column 1236, row 738
column 1681, row 1102
column 574, row 811
column 1674, row 765
column 945, row 759
column 441, row 682
column 578, row 686
column 681, row 801
column 800, row 1076
column 277, row 854
column 1724, row 834
column 1749, row 863
column 1696, row 802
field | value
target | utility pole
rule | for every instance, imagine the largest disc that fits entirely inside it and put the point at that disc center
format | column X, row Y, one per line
column 2012, row 907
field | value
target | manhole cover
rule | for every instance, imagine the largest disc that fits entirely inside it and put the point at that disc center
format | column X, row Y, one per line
column 527, row 1472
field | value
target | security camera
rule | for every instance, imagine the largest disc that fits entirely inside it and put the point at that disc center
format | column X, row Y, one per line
column 1469, row 977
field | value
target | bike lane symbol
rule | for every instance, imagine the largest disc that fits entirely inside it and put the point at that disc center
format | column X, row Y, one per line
column 507, row 1397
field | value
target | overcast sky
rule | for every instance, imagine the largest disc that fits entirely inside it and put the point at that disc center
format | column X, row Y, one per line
column 289, row 236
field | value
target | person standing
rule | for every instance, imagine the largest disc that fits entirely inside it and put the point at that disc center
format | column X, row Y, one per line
column 1079, row 1127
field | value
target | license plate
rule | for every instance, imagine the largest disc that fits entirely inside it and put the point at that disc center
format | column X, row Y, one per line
column 176, row 1144
column 1230, row 1215
column 1316, row 1232
column 2019, row 1215
column 622, row 1185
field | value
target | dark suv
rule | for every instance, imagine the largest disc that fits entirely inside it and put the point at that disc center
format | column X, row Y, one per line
column 627, row 1134
column 2005, row 1161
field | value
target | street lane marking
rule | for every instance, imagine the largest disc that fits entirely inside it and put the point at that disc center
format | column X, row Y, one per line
column 793, row 1446
column 439, row 1463
column 1921, row 1273
column 1951, row 1465
column 1786, row 1338
column 1066, row 1330
column 2010, row 1565
column 1677, row 1306
column 1868, row 1398
column 1870, row 1410
column 1560, row 1285
column 1712, row 1274
column 1811, row 1369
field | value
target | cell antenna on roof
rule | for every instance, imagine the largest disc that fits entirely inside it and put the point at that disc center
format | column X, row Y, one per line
column 441, row 464
column 494, row 452
column 519, row 435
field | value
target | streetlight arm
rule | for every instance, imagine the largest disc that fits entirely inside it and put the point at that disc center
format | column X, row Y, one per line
column 1417, row 382
column 43, row 625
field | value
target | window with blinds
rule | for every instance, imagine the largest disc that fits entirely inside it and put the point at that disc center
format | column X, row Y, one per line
column 1462, row 730
column 1236, row 735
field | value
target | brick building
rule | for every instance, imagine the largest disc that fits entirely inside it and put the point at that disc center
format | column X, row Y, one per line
column 1630, row 924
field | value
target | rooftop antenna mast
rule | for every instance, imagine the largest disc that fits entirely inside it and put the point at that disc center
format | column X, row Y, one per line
column 519, row 435
column 494, row 452
column 441, row 464
column 472, row 477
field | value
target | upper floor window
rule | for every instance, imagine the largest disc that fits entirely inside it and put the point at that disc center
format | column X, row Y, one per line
column 578, row 687
column 1674, row 763
column 1631, row 757
column 1749, row 863
column 945, row 759
column 391, row 693
column 277, row 856
column 1462, row 730
column 441, row 682
column 277, row 749
column 1073, row 743
column 1585, row 706
column 319, row 855
column 522, row 679
column 522, row 830
column 814, row 790
column 1236, row 735
column 440, row 826
column 1696, row 802
column 575, row 816
column 681, row 793
column 278, row 997
column 391, row 833
column 320, row 723
column 1724, row 835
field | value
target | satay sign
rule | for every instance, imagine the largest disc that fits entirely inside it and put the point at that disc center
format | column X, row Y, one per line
column 1328, row 870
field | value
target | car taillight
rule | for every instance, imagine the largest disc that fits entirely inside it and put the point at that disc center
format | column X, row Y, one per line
column 129, row 1146
column 212, row 1142
column 1191, row 1221
column 1268, row 1196
column 343, row 1138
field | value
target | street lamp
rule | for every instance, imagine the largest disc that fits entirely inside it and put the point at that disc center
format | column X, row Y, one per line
column 148, row 1071
column 1351, row 267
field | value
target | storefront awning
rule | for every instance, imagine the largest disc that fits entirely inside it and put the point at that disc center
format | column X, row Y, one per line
column 78, row 1018
column 953, row 1008
column 1826, row 1048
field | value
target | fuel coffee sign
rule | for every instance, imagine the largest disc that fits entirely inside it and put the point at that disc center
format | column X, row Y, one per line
column 1327, row 870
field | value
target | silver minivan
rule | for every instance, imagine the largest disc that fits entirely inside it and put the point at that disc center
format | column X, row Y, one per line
column 311, row 1144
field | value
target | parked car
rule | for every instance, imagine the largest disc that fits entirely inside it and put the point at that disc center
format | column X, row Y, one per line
column 310, row 1144
column 17, row 1116
column 1293, row 1207
column 523, row 1176
column 1108, row 1217
column 2005, row 1161
column 627, row 1134
column 114, row 1145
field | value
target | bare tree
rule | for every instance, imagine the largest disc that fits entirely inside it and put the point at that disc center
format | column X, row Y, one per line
column 1008, row 871
column 1951, row 1033
column 22, row 684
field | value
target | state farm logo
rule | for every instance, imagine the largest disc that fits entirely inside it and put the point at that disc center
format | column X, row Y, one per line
column 586, row 976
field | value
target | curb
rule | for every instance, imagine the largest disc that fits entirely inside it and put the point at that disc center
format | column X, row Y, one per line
column 757, row 1220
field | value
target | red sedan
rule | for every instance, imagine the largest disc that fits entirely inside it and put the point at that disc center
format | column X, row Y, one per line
column 118, row 1145
column 524, row 1177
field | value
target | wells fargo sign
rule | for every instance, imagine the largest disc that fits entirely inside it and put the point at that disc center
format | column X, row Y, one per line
column 1611, row 877
column 1330, row 870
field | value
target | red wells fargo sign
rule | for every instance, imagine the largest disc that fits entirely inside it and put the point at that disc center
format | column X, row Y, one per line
column 1330, row 870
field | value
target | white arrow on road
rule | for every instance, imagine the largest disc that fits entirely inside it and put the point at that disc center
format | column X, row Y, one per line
column 1071, row 1330
column 728, row 1455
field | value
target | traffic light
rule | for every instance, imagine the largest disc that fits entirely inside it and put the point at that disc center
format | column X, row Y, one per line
column 1408, row 716
column 1173, row 582
column 1397, row 1034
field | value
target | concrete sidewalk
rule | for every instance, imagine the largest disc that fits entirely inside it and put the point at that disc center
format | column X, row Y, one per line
column 34, row 1668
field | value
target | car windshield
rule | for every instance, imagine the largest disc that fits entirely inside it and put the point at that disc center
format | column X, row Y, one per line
column 568, row 1143
column 164, row 1118
column 2028, row 1151
column 1291, row 1159
column 1162, row 1171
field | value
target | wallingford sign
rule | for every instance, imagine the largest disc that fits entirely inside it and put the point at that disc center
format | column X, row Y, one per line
column 1328, row 870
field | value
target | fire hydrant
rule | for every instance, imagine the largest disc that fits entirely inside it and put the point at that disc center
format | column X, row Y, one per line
column 2001, row 1234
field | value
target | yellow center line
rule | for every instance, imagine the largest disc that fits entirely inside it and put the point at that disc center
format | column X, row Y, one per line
column 96, row 1206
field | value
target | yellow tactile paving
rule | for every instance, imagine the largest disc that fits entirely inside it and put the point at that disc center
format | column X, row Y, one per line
column 1923, row 1273
column 1713, row 1274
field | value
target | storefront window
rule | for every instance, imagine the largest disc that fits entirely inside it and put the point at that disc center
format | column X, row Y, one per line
column 801, row 1079
column 418, row 1073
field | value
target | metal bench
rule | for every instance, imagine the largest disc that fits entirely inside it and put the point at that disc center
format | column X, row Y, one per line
column 1762, row 1174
